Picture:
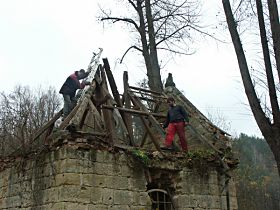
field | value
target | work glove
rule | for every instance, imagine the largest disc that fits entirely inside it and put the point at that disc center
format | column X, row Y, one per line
column 163, row 125
column 87, row 83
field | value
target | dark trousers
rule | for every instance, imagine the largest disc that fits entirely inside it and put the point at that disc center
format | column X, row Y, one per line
column 69, row 104
column 172, row 129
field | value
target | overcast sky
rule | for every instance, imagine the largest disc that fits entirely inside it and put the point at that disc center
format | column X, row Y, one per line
column 43, row 41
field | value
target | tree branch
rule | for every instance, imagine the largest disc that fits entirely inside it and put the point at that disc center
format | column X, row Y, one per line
column 131, row 47
column 127, row 20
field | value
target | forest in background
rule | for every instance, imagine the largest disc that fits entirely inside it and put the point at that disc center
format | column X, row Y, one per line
column 257, row 180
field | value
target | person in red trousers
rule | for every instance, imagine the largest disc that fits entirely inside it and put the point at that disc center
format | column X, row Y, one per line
column 176, row 120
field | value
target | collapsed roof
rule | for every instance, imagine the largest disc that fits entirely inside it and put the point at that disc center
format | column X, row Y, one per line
column 129, row 120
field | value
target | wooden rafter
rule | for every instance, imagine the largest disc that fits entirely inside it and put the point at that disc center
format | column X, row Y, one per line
column 107, row 114
column 47, row 125
column 127, row 104
column 116, row 95
column 134, row 111
column 151, row 118
column 142, row 107
column 76, row 120
column 97, row 118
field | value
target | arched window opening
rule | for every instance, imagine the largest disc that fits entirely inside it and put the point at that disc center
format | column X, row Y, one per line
column 160, row 199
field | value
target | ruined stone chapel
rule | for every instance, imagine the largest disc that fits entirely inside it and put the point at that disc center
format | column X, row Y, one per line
column 107, row 155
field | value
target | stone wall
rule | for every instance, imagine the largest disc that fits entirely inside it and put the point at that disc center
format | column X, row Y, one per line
column 204, row 192
column 73, row 179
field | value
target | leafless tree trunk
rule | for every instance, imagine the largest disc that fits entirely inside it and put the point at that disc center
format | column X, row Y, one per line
column 154, row 72
column 270, row 128
column 275, row 29
column 160, row 24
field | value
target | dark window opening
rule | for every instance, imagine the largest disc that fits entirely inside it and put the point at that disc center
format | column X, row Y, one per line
column 160, row 199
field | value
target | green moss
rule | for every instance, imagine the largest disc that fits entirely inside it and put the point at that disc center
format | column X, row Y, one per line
column 141, row 155
column 200, row 154
column 199, row 160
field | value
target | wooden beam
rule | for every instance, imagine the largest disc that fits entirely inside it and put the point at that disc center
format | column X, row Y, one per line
column 88, row 134
column 149, row 96
column 133, row 111
column 97, row 116
column 127, row 103
column 203, row 139
column 159, row 99
column 154, row 139
column 112, row 82
column 146, row 133
column 154, row 122
column 98, row 95
column 108, row 115
column 144, row 139
column 76, row 120
column 120, row 123
column 152, row 119
column 47, row 125
column 117, row 98
column 145, row 90
column 68, row 118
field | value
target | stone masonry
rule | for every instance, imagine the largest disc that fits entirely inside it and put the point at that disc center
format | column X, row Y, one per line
column 78, row 179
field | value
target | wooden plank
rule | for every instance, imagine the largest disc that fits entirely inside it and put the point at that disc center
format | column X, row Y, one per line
column 116, row 95
column 76, row 120
column 98, row 95
column 88, row 134
column 152, row 99
column 119, row 121
column 145, row 90
column 107, row 114
column 47, row 125
column 146, row 133
column 127, row 117
column 151, row 118
column 101, row 93
column 133, row 111
column 97, row 116
column 84, row 117
column 124, row 147
column 203, row 139
column 144, row 139
column 112, row 82
column 149, row 96
column 154, row 139
column 68, row 118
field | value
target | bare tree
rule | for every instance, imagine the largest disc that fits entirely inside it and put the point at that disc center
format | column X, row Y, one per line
column 217, row 117
column 22, row 112
column 266, row 115
column 160, row 25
